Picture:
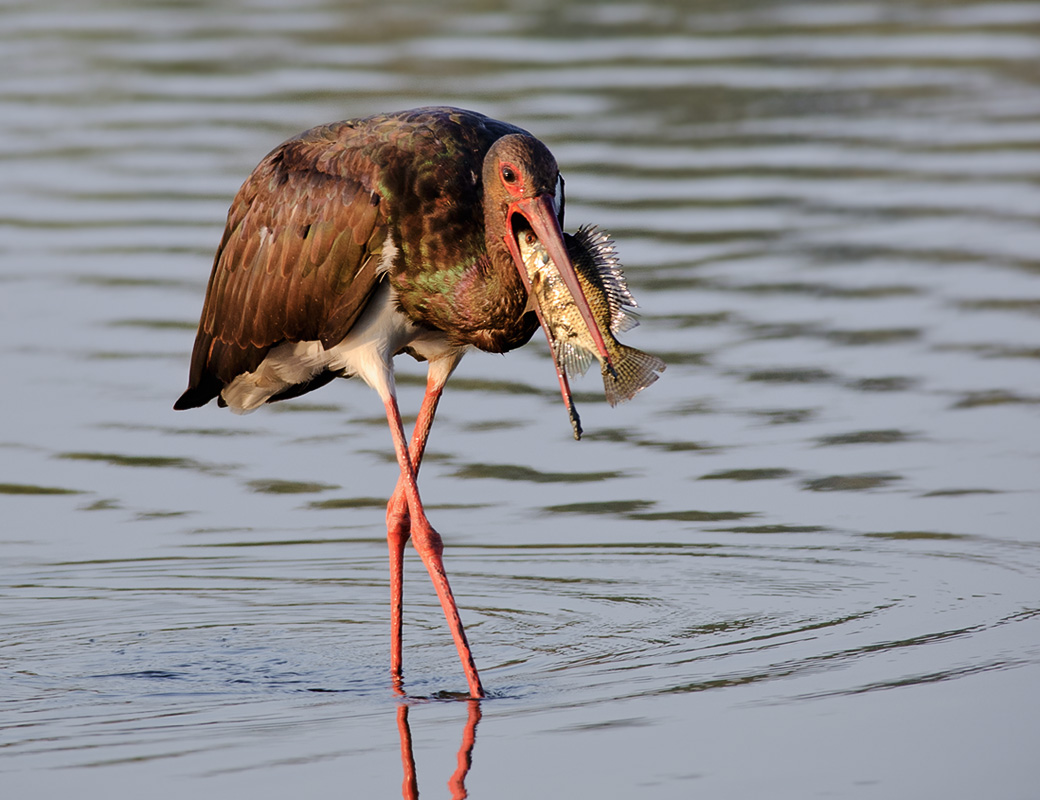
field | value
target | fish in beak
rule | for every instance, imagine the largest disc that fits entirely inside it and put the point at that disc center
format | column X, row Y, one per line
column 540, row 213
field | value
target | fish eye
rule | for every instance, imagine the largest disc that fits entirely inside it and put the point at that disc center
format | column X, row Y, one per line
column 508, row 174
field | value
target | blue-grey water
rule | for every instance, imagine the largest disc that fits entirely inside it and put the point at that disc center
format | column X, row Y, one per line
column 805, row 563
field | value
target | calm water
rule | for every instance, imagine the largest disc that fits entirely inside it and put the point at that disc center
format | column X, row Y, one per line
column 803, row 564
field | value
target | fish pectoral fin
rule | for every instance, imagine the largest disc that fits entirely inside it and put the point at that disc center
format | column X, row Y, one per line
column 575, row 359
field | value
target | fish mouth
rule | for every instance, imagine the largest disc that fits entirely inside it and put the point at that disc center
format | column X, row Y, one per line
column 517, row 225
column 538, row 214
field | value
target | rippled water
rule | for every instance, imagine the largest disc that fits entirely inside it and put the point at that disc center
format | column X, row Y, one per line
column 804, row 563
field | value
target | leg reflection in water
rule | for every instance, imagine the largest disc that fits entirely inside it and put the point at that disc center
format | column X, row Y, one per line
column 457, row 784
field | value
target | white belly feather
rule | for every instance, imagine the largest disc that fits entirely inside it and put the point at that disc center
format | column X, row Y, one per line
column 367, row 352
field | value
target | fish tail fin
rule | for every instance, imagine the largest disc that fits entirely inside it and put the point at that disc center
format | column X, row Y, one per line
column 635, row 371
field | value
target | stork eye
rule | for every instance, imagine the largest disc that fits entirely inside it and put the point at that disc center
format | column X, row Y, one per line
column 508, row 174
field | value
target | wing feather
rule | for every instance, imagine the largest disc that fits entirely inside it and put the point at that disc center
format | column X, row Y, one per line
column 298, row 258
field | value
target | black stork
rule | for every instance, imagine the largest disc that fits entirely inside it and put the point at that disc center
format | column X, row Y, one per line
column 360, row 240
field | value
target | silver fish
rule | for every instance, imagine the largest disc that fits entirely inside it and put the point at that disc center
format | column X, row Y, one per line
column 603, row 284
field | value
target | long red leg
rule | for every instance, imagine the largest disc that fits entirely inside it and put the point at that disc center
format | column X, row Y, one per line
column 406, row 516
column 397, row 521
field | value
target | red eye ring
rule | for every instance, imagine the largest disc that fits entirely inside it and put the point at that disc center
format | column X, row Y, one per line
column 508, row 173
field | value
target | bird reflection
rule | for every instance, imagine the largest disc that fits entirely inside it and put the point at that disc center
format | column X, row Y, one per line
column 457, row 783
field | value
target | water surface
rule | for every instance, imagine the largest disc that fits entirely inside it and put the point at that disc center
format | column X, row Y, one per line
column 804, row 563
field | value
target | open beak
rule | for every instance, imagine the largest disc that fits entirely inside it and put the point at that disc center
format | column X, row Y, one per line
column 540, row 213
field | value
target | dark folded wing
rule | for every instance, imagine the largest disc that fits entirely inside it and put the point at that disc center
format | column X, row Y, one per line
column 298, row 260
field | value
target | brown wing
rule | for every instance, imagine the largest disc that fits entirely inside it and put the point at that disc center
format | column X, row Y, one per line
column 298, row 259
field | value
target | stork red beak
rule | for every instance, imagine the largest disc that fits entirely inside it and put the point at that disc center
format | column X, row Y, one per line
column 540, row 212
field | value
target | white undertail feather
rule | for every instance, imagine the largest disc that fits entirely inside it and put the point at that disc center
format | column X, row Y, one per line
column 286, row 365
column 367, row 352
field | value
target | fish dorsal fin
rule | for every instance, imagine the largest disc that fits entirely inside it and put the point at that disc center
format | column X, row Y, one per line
column 609, row 273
